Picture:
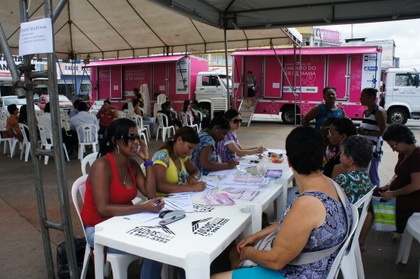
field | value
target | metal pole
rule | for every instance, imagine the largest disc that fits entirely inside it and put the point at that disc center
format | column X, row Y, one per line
column 66, row 224
column 227, row 69
column 34, row 139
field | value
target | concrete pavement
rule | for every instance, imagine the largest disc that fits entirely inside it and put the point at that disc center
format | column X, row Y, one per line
column 21, row 250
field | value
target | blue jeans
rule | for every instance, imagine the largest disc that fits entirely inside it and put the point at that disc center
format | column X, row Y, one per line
column 152, row 269
column 90, row 234
column 374, row 173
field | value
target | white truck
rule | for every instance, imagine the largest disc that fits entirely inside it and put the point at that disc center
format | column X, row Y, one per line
column 401, row 95
column 210, row 91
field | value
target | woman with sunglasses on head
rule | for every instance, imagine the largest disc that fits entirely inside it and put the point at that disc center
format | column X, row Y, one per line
column 115, row 177
column 229, row 148
column 405, row 184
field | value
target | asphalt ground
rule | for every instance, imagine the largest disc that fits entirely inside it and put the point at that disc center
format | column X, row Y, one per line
column 21, row 248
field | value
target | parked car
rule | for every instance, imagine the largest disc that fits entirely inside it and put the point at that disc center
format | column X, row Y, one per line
column 63, row 102
column 13, row 99
column 84, row 97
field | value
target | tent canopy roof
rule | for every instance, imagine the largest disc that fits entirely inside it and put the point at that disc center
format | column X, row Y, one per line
column 134, row 28
column 310, row 51
column 248, row 14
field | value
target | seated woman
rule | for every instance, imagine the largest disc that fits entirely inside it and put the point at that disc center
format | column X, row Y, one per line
column 317, row 220
column 205, row 156
column 340, row 129
column 174, row 171
column 137, row 106
column 405, row 184
column 356, row 153
column 12, row 124
column 192, row 114
column 229, row 148
column 115, row 177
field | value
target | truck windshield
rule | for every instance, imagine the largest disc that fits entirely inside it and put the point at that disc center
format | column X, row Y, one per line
column 223, row 79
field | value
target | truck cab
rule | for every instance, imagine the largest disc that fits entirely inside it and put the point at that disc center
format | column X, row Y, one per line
column 211, row 88
column 402, row 95
column 211, row 85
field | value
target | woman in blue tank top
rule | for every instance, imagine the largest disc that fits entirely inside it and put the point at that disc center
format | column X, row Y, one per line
column 323, row 111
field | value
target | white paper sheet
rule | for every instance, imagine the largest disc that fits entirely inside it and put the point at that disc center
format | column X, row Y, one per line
column 179, row 202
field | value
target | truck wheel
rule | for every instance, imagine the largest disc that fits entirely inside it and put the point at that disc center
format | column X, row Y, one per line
column 288, row 116
column 397, row 116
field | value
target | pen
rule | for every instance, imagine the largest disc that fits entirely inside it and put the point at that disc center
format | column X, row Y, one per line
column 156, row 203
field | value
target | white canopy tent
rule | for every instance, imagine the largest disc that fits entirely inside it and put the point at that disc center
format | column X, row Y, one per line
column 132, row 28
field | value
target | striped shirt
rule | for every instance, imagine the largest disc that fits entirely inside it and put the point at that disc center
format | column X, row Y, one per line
column 368, row 124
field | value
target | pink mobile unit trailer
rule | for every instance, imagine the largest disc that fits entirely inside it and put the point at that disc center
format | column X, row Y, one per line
column 292, row 80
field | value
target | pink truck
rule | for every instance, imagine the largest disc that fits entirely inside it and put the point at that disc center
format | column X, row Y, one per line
column 174, row 76
column 349, row 69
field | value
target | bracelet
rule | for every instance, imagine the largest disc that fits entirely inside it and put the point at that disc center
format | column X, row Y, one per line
column 194, row 176
column 150, row 163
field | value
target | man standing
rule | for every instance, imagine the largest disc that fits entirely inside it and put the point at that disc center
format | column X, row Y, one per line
column 373, row 126
column 251, row 83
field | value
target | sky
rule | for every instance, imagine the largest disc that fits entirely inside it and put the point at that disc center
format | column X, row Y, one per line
column 405, row 33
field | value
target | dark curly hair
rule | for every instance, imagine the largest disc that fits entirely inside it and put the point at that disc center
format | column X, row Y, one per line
column 399, row 133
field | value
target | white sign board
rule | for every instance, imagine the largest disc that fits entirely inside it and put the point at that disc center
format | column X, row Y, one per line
column 36, row 37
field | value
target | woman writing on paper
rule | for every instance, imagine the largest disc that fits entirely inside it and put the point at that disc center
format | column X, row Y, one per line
column 405, row 185
column 205, row 157
column 229, row 148
column 174, row 171
column 317, row 220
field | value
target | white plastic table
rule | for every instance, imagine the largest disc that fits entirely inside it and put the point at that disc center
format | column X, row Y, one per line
column 274, row 192
column 191, row 243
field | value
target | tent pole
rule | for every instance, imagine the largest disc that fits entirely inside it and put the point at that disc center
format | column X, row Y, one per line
column 227, row 70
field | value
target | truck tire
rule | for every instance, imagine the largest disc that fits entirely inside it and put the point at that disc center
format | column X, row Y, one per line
column 397, row 116
column 288, row 115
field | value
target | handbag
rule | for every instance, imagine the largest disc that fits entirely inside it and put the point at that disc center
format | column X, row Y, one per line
column 384, row 214
column 267, row 242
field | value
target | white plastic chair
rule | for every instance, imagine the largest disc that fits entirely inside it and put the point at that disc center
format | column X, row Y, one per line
column 142, row 130
column 47, row 142
column 187, row 121
column 119, row 262
column 25, row 144
column 200, row 115
column 8, row 142
column 161, row 98
column 88, row 160
column 163, row 126
column 333, row 273
column 218, row 104
column 412, row 229
column 65, row 121
column 87, row 134
column 352, row 263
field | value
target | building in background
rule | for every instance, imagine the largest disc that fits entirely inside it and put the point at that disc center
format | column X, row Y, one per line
column 388, row 50
column 71, row 77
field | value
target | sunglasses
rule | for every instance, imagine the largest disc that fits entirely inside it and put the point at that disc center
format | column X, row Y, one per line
column 236, row 121
column 132, row 137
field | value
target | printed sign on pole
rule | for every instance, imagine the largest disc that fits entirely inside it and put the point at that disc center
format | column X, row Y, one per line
column 36, row 37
